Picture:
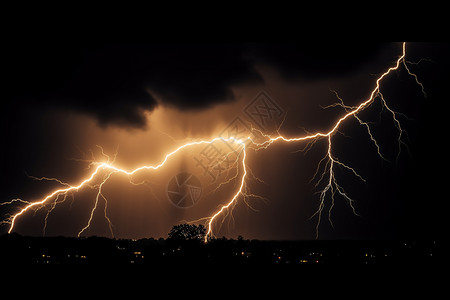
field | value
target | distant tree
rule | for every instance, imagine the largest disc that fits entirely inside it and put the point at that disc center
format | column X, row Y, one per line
column 187, row 232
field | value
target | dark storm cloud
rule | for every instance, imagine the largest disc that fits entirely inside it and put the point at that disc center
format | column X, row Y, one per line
column 313, row 61
column 198, row 76
column 118, row 83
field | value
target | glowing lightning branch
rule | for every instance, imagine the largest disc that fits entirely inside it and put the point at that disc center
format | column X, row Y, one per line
column 104, row 171
column 332, row 185
column 107, row 167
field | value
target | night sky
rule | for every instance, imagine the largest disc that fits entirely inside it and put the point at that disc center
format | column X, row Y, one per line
column 61, row 100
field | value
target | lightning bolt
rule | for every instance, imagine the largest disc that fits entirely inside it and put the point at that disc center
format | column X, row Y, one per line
column 103, row 171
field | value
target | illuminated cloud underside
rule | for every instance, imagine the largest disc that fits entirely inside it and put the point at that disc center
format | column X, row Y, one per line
column 103, row 171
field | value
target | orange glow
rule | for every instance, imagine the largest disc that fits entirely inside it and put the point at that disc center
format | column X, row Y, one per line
column 104, row 170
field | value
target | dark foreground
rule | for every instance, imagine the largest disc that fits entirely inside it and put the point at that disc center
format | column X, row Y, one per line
column 16, row 249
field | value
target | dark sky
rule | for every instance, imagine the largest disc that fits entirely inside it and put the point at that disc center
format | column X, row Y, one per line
column 62, row 99
column 115, row 83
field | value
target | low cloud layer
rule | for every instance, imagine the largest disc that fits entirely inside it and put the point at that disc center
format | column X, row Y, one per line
column 117, row 84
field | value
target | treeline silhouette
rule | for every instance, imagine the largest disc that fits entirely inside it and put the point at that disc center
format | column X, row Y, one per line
column 185, row 245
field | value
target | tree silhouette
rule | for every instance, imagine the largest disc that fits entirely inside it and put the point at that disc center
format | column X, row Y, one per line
column 187, row 232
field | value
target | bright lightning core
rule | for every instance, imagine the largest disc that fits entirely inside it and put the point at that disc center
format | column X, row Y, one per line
column 324, row 177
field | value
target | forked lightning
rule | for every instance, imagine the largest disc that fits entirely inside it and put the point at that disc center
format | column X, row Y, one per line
column 103, row 171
